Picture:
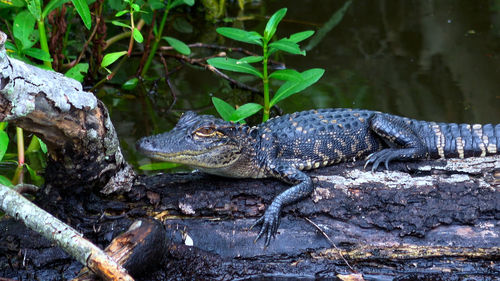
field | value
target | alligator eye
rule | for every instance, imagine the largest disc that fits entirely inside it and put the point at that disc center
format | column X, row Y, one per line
column 206, row 132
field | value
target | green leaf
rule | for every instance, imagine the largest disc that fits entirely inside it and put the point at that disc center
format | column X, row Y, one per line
column 286, row 45
column 78, row 72
column 233, row 65
column 240, row 35
column 181, row 2
column 224, row 109
column 54, row 4
column 328, row 26
column 301, row 36
column 156, row 4
column 37, row 180
column 12, row 3
column 272, row 24
column 38, row 54
column 245, row 111
column 43, row 146
column 178, row 45
column 309, row 77
column 118, row 23
column 5, row 181
column 159, row 166
column 135, row 7
column 111, row 58
column 121, row 13
column 130, row 84
column 24, row 26
column 137, row 35
column 251, row 59
column 35, row 8
column 4, row 143
column 83, row 10
column 286, row 75
column 10, row 47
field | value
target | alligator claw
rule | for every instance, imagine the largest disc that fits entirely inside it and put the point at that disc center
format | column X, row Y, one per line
column 378, row 157
column 270, row 222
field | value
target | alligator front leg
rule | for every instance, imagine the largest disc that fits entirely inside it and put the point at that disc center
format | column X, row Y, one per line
column 303, row 187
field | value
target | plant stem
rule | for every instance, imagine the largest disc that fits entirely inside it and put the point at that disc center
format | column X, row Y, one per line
column 20, row 145
column 265, row 81
column 156, row 42
column 131, row 42
column 43, row 41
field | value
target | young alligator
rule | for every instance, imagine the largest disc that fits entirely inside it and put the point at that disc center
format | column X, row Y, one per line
column 284, row 146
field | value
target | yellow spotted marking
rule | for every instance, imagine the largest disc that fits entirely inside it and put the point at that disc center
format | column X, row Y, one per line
column 340, row 155
column 333, row 121
column 478, row 129
column 299, row 129
column 294, row 124
column 492, row 148
column 440, row 143
column 308, row 165
column 316, row 150
column 316, row 165
column 325, row 163
column 460, row 147
column 361, row 119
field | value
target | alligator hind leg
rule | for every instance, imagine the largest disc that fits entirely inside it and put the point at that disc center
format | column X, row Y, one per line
column 404, row 142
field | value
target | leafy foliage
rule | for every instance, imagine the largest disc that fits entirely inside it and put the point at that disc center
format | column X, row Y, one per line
column 296, row 81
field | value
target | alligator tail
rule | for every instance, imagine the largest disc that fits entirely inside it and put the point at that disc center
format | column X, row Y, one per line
column 464, row 140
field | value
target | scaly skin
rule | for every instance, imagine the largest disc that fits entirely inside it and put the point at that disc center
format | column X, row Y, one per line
column 284, row 146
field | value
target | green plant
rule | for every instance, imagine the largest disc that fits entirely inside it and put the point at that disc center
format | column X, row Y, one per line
column 35, row 154
column 137, row 36
column 294, row 80
column 25, row 35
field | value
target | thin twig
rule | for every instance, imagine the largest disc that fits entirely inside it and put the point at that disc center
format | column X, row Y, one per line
column 331, row 243
column 200, row 62
column 172, row 87
column 274, row 64
column 84, row 48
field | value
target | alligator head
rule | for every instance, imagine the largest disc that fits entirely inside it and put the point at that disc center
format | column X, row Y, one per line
column 200, row 141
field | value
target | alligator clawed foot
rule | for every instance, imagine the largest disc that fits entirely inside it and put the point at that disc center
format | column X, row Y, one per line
column 378, row 157
column 270, row 222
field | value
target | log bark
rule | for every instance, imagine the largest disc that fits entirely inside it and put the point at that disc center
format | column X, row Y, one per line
column 405, row 222
column 64, row 236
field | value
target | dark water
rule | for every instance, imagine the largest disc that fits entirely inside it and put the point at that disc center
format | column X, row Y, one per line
column 432, row 60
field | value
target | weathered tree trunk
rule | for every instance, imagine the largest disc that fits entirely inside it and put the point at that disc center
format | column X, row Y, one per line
column 83, row 147
column 425, row 219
